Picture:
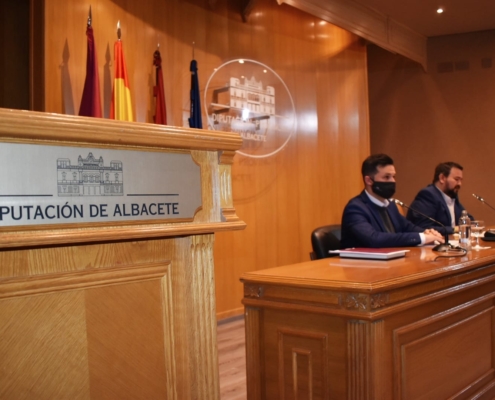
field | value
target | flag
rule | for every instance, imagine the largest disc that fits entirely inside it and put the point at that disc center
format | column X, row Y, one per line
column 121, row 105
column 159, row 92
column 90, row 102
column 195, row 119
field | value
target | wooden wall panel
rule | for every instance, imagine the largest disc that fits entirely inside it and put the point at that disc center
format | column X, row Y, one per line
column 14, row 47
column 446, row 114
column 281, row 198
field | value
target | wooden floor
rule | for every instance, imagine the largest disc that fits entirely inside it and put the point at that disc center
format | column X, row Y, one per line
column 232, row 359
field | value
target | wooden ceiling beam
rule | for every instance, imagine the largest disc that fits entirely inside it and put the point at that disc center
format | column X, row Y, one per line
column 369, row 24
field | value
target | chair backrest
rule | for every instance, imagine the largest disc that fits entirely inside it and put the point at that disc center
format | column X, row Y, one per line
column 323, row 239
column 401, row 210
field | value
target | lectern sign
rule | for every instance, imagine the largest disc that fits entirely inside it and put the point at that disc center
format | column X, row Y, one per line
column 59, row 185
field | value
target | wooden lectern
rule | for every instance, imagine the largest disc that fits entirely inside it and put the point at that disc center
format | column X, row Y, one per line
column 107, row 286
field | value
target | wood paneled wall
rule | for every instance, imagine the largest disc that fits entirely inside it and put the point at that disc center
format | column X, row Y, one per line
column 281, row 198
column 14, row 54
column 445, row 114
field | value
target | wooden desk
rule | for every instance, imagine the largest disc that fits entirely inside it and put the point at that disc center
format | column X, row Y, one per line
column 409, row 328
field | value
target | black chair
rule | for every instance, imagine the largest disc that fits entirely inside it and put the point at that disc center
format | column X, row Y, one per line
column 323, row 239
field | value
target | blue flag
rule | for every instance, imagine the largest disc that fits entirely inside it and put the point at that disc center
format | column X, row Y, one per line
column 195, row 118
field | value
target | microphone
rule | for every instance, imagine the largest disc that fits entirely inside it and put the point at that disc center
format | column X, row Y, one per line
column 488, row 234
column 482, row 200
column 439, row 247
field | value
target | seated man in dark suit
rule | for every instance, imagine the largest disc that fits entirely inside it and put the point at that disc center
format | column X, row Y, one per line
column 371, row 220
column 439, row 200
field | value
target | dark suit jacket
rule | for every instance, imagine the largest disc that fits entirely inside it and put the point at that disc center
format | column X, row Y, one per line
column 430, row 201
column 362, row 226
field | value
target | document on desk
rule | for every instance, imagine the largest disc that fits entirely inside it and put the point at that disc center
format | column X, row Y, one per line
column 370, row 253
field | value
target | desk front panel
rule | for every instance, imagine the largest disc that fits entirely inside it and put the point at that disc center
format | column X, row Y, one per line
column 320, row 335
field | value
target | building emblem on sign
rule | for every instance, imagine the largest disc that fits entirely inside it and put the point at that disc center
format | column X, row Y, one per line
column 240, row 97
column 245, row 98
column 89, row 177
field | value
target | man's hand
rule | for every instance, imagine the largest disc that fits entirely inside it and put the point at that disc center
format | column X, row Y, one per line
column 431, row 235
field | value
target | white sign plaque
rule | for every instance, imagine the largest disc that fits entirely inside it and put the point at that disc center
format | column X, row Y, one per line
column 60, row 185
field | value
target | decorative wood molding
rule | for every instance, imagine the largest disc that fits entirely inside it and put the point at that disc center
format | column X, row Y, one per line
column 369, row 24
column 169, row 337
column 358, row 359
column 357, row 302
column 335, row 300
column 203, row 301
column 379, row 300
column 308, row 359
column 64, row 129
column 253, row 352
column 15, row 287
column 253, row 291
column 225, row 161
column 226, row 186
column 363, row 337
column 226, row 157
column 106, row 234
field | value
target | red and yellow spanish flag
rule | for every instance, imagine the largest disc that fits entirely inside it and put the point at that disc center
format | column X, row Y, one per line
column 121, row 106
column 90, row 101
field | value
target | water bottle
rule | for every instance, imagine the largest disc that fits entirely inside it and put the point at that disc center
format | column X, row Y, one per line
column 465, row 231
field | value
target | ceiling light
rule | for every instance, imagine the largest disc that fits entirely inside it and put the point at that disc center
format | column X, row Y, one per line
column 440, row 10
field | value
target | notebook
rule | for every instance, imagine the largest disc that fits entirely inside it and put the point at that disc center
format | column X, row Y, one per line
column 371, row 254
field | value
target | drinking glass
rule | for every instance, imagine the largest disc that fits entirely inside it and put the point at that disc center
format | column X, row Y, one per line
column 477, row 227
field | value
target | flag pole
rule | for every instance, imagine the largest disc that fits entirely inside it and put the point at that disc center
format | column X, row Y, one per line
column 118, row 30
column 90, row 18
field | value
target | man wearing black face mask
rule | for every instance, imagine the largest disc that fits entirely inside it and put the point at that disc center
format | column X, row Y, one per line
column 371, row 220
column 439, row 200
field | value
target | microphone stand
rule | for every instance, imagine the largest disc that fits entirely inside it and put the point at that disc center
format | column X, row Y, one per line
column 439, row 247
column 488, row 233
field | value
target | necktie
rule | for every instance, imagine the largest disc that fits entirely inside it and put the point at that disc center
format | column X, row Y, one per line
column 389, row 227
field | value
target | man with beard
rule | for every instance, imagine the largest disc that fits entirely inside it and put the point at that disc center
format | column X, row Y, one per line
column 371, row 220
column 439, row 200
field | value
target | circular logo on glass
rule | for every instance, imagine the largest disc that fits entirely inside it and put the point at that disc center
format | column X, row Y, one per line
column 248, row 97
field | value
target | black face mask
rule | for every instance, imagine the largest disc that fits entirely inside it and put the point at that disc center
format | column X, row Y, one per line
column 383, row 189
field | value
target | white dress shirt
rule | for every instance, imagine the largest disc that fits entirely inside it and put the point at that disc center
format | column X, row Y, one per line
column 450, row 204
